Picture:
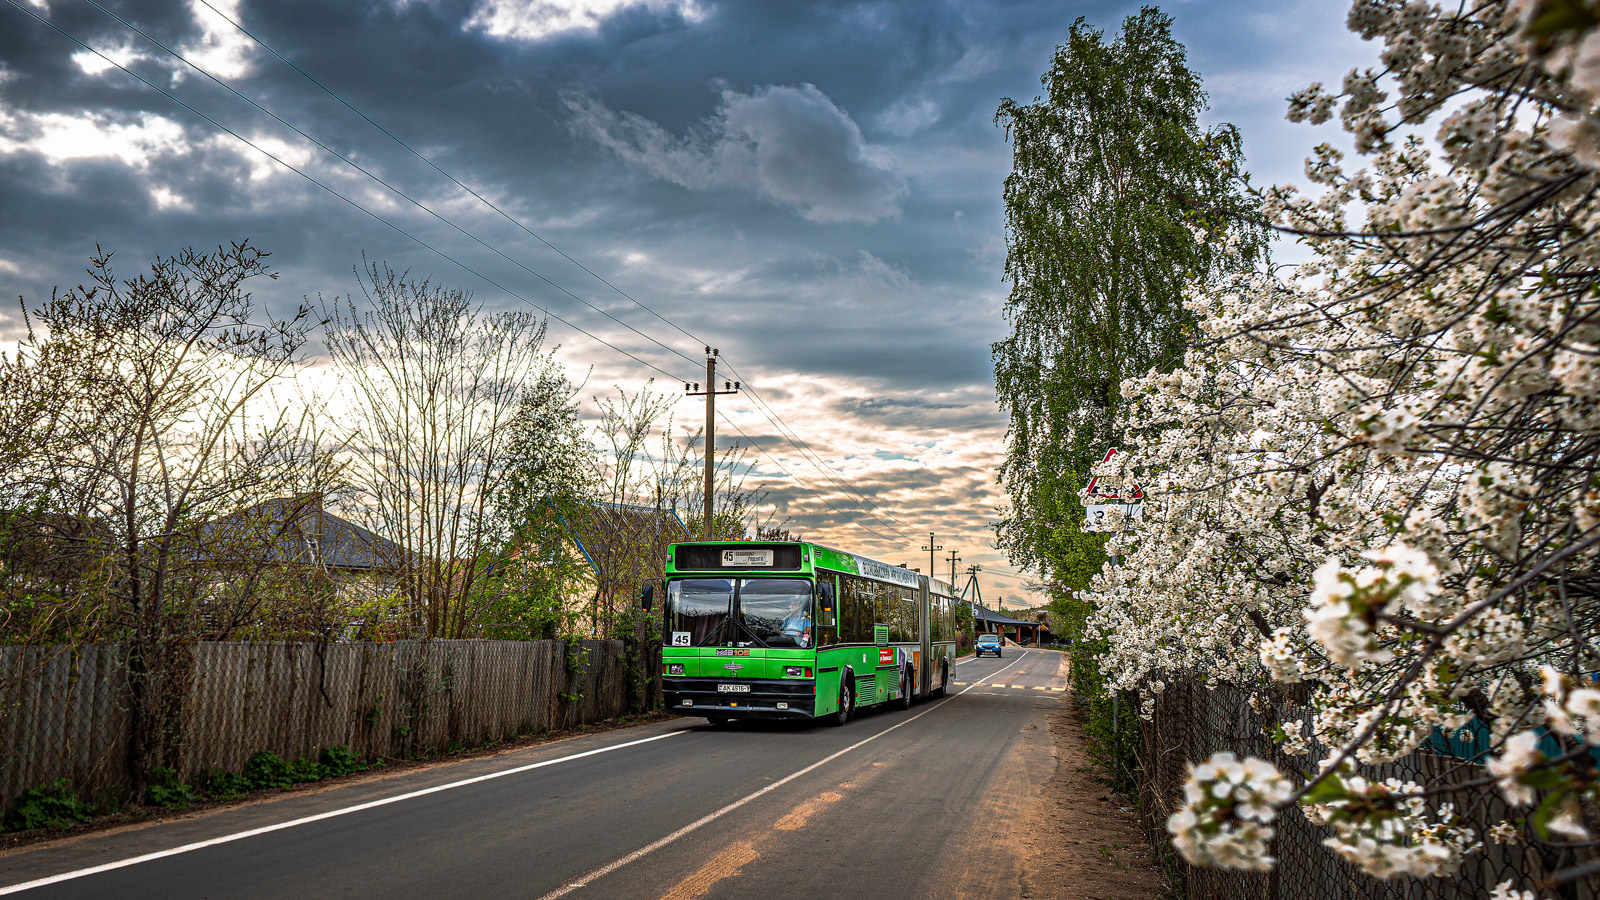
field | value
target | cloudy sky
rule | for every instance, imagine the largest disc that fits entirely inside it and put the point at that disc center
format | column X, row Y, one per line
column 812, row 188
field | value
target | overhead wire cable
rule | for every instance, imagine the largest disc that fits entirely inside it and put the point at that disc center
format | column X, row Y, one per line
column 816, row 461
column 280, row 161
column 762, row 406
column 766, row 410
column 770, row 458
column 392, row 189
column 431, row 164
column 407, row 234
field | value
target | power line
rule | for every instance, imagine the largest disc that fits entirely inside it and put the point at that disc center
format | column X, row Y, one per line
column 771, row 415
column 815, row 460
column 431, row 164
column 392, row 189
column 770, row 458
column 762, row 406
column 252, row 145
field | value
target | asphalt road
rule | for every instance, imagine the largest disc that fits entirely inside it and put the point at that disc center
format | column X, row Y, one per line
column 929, row 802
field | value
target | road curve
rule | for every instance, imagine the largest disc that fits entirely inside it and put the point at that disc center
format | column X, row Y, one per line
column 932, row 802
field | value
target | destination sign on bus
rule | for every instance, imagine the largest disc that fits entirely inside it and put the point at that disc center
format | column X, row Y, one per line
column 740, row 559
column 882, row 572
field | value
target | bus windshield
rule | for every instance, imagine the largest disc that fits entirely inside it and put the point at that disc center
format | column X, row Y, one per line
column 772, row 612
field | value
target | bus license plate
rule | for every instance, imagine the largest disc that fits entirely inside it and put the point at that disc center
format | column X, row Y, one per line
column 733, row 688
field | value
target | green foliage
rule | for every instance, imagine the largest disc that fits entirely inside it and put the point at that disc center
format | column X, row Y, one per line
column 549, row 474
column 641, row 648
column 1111, row 174
column 1113, row 732
column 266, row 770
column 374, row 712
column 55, row 806
column 577, row 661
column 167, row 791
column 337, row 761
column 303, row 770
column 220, row 784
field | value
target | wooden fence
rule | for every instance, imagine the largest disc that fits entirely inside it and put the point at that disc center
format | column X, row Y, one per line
column 63, row 710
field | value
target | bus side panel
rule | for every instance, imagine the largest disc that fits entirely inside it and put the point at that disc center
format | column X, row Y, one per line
column 829, row 668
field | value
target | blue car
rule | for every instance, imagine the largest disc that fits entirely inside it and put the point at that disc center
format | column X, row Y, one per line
column 987, row 643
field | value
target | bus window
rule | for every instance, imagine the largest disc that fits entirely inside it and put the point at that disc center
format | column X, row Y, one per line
column 697, row 612
column 777, row 611
column 861, row 611
column 880, row 607
column 850, row 610
column 827, row 611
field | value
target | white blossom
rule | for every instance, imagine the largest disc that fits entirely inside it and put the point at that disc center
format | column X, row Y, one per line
column 1521, row 754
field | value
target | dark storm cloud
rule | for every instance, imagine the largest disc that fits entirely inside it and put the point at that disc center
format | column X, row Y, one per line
column 791, row 145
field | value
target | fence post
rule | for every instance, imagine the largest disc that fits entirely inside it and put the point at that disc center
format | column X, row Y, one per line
column 1116, row 734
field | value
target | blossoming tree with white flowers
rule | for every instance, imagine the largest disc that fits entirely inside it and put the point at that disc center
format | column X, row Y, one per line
column 1380, row 474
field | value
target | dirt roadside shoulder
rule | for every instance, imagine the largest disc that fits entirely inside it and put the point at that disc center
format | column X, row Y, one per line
column 1089, row 845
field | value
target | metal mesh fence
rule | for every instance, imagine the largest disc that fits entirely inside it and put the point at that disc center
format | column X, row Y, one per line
column 1190, row 722
column 64, row 709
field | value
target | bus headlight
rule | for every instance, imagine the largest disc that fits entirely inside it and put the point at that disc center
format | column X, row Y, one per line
column 796, row 672
column 675, row 669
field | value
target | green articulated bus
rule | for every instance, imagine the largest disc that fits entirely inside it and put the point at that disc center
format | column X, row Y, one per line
column 798, row 630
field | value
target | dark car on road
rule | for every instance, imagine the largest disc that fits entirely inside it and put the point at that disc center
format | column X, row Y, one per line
column 987, row 643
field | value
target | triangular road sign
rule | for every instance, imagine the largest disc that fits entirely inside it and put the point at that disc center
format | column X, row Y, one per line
column 1136, row 494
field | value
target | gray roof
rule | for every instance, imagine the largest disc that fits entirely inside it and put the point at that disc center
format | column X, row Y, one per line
column 624, row 542
column 994, row 618
column 297, row 530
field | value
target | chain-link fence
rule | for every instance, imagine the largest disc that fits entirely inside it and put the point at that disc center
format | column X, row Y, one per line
column 1190, row 722
column 64, row 709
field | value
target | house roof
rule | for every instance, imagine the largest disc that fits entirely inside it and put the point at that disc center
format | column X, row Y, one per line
column 297, row 529
column 994, row 618
column 624, row 542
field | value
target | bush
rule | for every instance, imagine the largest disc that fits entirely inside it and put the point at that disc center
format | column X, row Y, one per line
column 338, row 760
column 303, row 770
column 167, row 791
column 221, row 784
column 266, row 770
column 49, row 806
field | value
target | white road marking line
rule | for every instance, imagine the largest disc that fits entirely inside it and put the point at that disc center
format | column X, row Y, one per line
column 227, row 838
column 708, row 818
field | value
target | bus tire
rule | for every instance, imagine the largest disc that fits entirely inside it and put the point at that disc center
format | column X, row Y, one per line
column 944, row 679
column 846, row 697
column 904, row 700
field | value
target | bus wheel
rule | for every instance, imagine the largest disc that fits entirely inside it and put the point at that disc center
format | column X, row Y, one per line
column 846, row 696
column 944, row 678
column 904, row 702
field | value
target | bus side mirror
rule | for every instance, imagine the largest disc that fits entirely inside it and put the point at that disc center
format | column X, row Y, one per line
column 825, row 600
column 646, row 596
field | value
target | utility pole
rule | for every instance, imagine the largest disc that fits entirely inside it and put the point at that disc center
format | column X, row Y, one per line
column 977, row 592
column 953, row 559
column 932, row 548
column 710, row 393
